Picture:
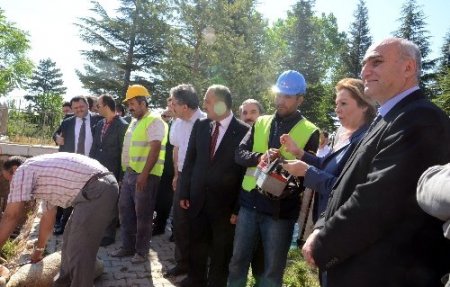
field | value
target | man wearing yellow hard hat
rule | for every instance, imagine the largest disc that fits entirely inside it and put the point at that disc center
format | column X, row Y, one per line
column 143, row 162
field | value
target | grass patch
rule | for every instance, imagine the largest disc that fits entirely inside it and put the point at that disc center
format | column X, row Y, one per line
column 298, row 273
column 9, row 249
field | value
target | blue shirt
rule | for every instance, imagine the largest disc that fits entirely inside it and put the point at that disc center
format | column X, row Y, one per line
column 387, row 106
column 323, row 172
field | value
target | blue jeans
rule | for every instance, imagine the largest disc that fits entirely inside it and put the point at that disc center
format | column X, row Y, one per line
column 276, row 236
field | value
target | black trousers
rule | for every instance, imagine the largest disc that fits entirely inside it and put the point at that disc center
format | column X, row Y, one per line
column 164, row 199
column 181, row 230
column 212, row 237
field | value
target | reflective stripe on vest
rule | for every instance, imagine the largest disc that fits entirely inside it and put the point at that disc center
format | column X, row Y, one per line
column 300, row 133
column 140, row 146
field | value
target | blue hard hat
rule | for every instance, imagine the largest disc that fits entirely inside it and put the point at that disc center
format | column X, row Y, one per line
column 290, row 83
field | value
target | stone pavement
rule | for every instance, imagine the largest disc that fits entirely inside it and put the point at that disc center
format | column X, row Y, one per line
column 120, row 272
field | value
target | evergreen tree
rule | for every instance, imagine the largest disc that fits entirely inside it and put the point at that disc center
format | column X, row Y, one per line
column 314, row 46
column 128, row 47
column 218, row 42
column 47, row 78
column 359, row 40
column 444, row 59
column 15, row 67
column 45, row 92
column 412, row 27
column 442, row 98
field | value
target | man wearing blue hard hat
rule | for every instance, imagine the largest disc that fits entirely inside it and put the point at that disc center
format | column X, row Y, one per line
column 263, row 215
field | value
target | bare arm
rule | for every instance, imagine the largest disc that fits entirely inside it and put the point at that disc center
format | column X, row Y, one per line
column 10, row 218
column 152, row 158
column 45, row 230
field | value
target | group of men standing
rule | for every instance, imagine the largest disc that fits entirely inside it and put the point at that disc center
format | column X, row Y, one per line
column 223, row 221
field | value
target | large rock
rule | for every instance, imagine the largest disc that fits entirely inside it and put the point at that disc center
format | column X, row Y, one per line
column 42, row 273
column 4, row 275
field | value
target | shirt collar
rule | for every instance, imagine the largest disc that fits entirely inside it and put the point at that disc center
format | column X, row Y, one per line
column 387, row 106
column 196, row 115
column 226, row 121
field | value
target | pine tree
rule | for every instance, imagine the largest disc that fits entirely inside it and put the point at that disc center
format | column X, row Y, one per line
column 46, row 88
column 218, row 42
column 47, row 78
column 45, row 92
column 314, row 47
column 412, row 27
column 128, row 47
column 359, row 40
column 442, row 98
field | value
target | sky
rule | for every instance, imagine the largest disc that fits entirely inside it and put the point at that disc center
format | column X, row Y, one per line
column 49, row 24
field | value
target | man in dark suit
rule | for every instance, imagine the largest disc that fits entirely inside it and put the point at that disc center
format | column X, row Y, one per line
column 209, row 188
column 373, row 232
column 107, row 149
column 67, row 136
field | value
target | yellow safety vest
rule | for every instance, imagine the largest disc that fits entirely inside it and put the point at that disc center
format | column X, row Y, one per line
column 300, row 133
column 140, row 147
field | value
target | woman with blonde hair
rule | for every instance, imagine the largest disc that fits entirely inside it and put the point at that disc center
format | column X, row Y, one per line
column 355, row 112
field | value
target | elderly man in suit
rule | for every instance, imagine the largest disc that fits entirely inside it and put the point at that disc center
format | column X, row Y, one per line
column 74, row 135
column 373, row 232
column 209, row 188
column 107, row 149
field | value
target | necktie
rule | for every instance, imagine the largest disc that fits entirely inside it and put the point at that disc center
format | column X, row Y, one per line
column 214, row 137
column 81, row 137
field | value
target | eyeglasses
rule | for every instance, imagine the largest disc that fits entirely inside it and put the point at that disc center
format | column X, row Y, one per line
column 165, row 116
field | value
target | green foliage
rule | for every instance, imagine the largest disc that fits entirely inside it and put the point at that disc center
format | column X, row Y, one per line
column 218, row 42
column 359, row 40
column 9, row 249
column 30, row 125
column 298, row 273
column 412, row 27
column 443, row 99
column 45, row 90
column 125, row 47
column 314, row 48
column 15, row 67
column 47, row 78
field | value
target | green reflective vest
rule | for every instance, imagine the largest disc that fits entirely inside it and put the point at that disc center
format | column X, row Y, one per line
column 140, row 146
column 300, row 133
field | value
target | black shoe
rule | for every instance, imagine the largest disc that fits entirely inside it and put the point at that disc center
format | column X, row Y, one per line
column 158, row 231
column 107, row 241
column 58, row 230
column 175, row 271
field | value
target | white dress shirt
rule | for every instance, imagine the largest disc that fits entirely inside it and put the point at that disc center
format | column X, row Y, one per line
column 88, row 140
column 222, row 129
column 180, row 133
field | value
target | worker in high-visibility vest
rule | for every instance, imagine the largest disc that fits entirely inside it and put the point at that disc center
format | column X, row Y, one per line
column 262, row 215
column 143, row 156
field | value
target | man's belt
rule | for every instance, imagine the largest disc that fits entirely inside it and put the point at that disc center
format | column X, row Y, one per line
column 94, row 178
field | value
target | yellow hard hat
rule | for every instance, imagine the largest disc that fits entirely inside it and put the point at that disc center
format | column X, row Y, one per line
column 136, row 91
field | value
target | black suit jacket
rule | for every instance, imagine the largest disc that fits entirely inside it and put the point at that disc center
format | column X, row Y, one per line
column 108, row 150
column 67, row 130
column 374, row 233
column 215, row 183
